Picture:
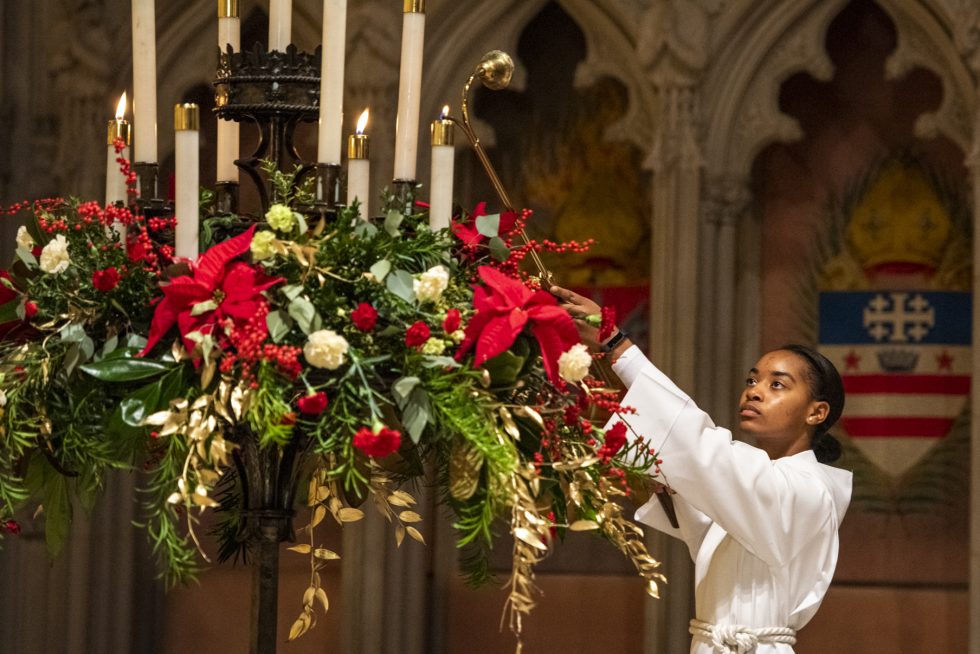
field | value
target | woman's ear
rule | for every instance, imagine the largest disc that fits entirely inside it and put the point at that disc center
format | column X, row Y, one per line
column 818, row 413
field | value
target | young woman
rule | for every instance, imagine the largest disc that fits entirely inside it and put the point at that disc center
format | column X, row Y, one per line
column 760, row 522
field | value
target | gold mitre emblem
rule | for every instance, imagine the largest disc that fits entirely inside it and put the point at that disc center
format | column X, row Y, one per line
column 900, row 222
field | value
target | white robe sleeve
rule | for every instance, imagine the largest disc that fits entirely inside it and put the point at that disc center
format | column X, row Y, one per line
column 771, row 510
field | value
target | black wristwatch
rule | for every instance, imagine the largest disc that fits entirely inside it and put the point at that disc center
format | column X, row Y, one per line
column 611, row 344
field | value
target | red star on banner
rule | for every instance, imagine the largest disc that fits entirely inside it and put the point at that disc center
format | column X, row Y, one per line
column 852, row 360
column 945, row 361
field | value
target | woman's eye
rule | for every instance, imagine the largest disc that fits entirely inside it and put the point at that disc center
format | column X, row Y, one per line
column 777, row 384
column 750, row 381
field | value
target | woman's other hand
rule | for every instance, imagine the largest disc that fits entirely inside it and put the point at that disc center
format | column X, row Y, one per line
column 579, row 307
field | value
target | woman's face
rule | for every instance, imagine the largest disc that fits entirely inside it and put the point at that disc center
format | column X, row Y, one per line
column 776, row 406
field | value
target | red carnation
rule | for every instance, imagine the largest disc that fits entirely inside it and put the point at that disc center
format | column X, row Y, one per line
column 379, row 444
column 314, row 404
column 417, row 334
column 614, row 441
column 105, row 280
column 30, row 310
column 12, row 526
column 452, row 321
column 364, row 316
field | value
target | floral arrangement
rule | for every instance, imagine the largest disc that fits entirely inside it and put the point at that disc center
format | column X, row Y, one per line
column 384, row 352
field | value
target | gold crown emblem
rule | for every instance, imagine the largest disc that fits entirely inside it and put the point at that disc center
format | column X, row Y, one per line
column 899, row 220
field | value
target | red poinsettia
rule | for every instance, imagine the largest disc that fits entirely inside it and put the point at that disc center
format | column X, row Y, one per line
column 218, row 289
column 503, row 308
column 466, row 230
column 377, row 444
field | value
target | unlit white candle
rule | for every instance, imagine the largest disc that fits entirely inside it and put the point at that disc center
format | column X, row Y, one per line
column 409, row 95
column 332, row 81
column 187, row 144
column 144, row 81
column 229, row 33
column 280, row 24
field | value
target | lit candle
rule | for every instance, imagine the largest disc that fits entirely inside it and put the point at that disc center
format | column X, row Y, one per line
column 280, row 24
column 229, row 33
column 145, row 80
column 359, row 168
column 409, row 90
column 115, row 181
column 332, row 81
column 441, row 193
column 186, row 153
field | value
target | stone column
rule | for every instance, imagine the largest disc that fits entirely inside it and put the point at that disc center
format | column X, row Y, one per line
column 673, row 47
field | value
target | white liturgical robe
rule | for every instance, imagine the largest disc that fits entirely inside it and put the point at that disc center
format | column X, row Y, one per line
column 762, row 533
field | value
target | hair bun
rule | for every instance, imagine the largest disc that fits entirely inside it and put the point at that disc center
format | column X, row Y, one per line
column 826, row 447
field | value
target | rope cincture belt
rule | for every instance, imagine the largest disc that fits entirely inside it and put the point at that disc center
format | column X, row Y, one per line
column 739, row 639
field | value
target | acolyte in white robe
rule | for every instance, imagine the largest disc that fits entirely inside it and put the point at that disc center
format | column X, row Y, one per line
column 762, row 533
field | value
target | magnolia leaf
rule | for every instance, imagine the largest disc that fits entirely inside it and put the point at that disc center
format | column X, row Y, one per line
column 499, row 249
column 381, row 269
column 414, row 533
column 322, row 596
column 203, row 307
column 350, row 514
column 393, row 221
column 157, row 418
column 308, row 596
column 302, row 548
column 400, row 283
column 279, row 324
column 410, row 516
column 583, row 525
column 405, row 497
column 397, row 501
column 325, row 554
column 488, row 226
column 124, row 369
column 530, row 538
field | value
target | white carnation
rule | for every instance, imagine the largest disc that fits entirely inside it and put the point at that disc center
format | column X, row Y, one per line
column 54, row 256
column 3, row 398
column 24, row 238
column 325, row 349
column 573, row 365
column 430, row 284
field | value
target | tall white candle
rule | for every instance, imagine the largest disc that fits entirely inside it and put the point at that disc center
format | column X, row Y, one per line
column 359, row 168
column 280, row 24
column 332, row 81
column 229, row 33
column 145, row 80
column 409, row 90
column 115, row 181
column 186, row 162
column 441, row 192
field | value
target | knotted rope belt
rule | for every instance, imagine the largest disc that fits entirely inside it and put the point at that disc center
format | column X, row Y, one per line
column 739, row 639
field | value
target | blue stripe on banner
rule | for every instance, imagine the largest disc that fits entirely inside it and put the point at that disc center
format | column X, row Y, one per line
column 896, row 317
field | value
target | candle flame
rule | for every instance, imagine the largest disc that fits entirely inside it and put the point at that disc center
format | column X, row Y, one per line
column 445, row 112
column 362, row 122
column 121, row 107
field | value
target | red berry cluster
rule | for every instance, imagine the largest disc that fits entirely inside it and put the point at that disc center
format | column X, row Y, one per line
column 125, row 167
column 250, row 348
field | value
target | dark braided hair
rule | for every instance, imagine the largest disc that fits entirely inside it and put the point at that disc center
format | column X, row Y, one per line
column 825, row 386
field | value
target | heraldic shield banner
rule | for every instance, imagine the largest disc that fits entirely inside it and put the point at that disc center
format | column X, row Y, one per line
column 904, row 356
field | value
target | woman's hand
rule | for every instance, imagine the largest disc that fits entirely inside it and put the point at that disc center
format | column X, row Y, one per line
column 579, row 307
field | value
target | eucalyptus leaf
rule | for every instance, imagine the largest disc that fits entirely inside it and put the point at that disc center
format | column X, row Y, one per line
column 303, row 312
column 110, row 346
column 136, row 341
column 393, row 221
column 301, row 221
column 292, row 291
column 499, row 249
column 400, row 284
column 279, row 324
column 72, row 333
column 203, row 307
column 403, row 387
column 431, row 361
column 489, row 226
column 27, row 257
column 381, row 269
column 365, row 230
column 416, row 413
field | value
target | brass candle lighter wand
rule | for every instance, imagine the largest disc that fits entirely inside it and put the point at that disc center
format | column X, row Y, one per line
column 495, row 71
